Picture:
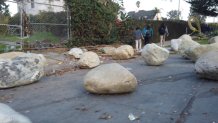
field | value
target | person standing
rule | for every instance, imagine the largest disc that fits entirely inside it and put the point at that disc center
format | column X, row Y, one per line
column 148, row 34
column 138, row 41
column 144, row 30
column 163, row 31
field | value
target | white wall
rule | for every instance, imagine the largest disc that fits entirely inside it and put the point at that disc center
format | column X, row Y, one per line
column 39, row 7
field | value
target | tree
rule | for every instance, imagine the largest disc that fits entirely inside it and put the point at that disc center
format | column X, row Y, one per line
column 173, row 14
column 204, row 7
column 201, row 18
column 93, row 21
column 138, row 4
column 4, row 8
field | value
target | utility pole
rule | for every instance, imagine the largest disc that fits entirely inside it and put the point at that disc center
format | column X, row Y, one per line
column 178, row 10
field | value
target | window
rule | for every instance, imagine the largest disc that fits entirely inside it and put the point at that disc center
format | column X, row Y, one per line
column 32, row 4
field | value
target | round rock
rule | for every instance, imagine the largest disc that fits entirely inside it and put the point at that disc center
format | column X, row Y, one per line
column 108, row 50
column 123, row 52
column 175, row 44
column 89, row 60
column 213, row 40
column 8, row 115
column 207, row 66
column 195, row 52
column 110, row 79
column 154, row 54
column 76, row 52
column 21, row 70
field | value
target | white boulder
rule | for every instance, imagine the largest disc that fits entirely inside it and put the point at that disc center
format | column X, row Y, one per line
column 207, row 65
column 186, row 45
column 154, row 54
column 123, row 52
column 108, row 50
column 110, row 79
column 76, row 52
column 195, row 52
column 185, row 37
column 8, row 115
column 213, row 40
column 21, row 70
column 175, row 44
column 89, row 60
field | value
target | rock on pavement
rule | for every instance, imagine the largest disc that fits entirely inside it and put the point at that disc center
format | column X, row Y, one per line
column 108, row 50
column 123, row 52
column 76, row 52
column 175, row 44
column 89, row 60
column 21, row 70
column 207, row 66
column 8, row 115
column 213, row 40
column 195, row 52
column 185, row 37
column 110, row 79
column 186, row 45
column 154, row 55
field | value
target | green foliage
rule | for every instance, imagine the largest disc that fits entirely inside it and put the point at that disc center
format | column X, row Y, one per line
column 201, row 18
column 93, row 21
column 3, row 28
column 9, row 38
column 204, row 7
column 4, row 8
column 202, row 41
column 43, row 36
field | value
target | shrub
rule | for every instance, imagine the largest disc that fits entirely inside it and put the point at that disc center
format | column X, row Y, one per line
column 93, row 21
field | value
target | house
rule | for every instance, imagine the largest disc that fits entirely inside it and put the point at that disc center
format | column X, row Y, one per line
column 147, row 15
column 35, row 6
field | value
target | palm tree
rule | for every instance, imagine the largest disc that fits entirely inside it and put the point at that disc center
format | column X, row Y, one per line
column 138, row 4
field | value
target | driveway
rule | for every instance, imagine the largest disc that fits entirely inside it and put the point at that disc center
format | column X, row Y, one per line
column 171, row 93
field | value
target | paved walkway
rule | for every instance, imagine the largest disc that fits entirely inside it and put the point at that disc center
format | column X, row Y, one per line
column 171, row 93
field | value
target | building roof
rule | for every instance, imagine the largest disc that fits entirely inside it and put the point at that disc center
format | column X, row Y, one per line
column 142, row 14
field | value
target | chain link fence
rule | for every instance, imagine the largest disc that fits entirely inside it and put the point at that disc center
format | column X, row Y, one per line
column 38, row 24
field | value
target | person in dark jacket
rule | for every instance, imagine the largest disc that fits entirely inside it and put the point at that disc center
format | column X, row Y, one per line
column 148, row 34
column 163, row 32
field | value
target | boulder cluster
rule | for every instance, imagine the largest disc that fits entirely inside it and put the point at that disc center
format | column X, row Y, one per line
column 204, row 56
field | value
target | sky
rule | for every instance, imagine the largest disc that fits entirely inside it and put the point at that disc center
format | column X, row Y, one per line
column 164, row 5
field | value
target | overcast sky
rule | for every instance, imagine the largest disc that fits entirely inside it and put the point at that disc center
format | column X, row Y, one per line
column 164, row 5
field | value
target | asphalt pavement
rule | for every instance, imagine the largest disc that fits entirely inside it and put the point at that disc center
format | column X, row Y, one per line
column 171, row 93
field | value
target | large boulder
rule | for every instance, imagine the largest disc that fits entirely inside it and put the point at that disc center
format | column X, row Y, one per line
column 207, row 65
column 89, row 60
column 185, row 37
column 8, row 115
column 123, row 52
column 213, row 40
column 21, row 70
column 76, row 52
column 154, row 54
column 11, row 55
column 110, row 79
column 186, row 45
column 195, row 52
column 108, row 50
column 175, row 44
